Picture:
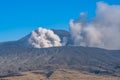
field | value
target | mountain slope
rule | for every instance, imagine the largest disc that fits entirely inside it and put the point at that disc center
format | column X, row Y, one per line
column 18, row 56
column 15, row 58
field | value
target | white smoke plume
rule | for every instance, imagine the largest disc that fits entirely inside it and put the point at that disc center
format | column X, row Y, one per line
column 102, row 31
column 43, row 38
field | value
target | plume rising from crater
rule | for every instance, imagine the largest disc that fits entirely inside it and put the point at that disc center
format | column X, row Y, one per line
column 102, row 31
column 42, row 38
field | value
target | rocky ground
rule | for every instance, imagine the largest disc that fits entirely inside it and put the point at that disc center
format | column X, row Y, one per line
column 60, row 74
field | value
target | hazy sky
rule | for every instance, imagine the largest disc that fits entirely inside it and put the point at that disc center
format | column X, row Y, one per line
column 19, row 17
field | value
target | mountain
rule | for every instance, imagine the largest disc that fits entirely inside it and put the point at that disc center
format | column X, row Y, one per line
column 16, row 56
column 41, row 32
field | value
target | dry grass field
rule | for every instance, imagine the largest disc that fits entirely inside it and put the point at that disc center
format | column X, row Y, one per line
column 61, row 74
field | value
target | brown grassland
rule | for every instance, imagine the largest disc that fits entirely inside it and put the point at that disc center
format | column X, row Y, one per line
column 61, row 74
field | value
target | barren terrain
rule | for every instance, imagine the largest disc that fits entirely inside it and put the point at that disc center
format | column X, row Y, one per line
column 61, row 74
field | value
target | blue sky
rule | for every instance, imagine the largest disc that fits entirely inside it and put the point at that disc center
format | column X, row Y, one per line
column 20, row 17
